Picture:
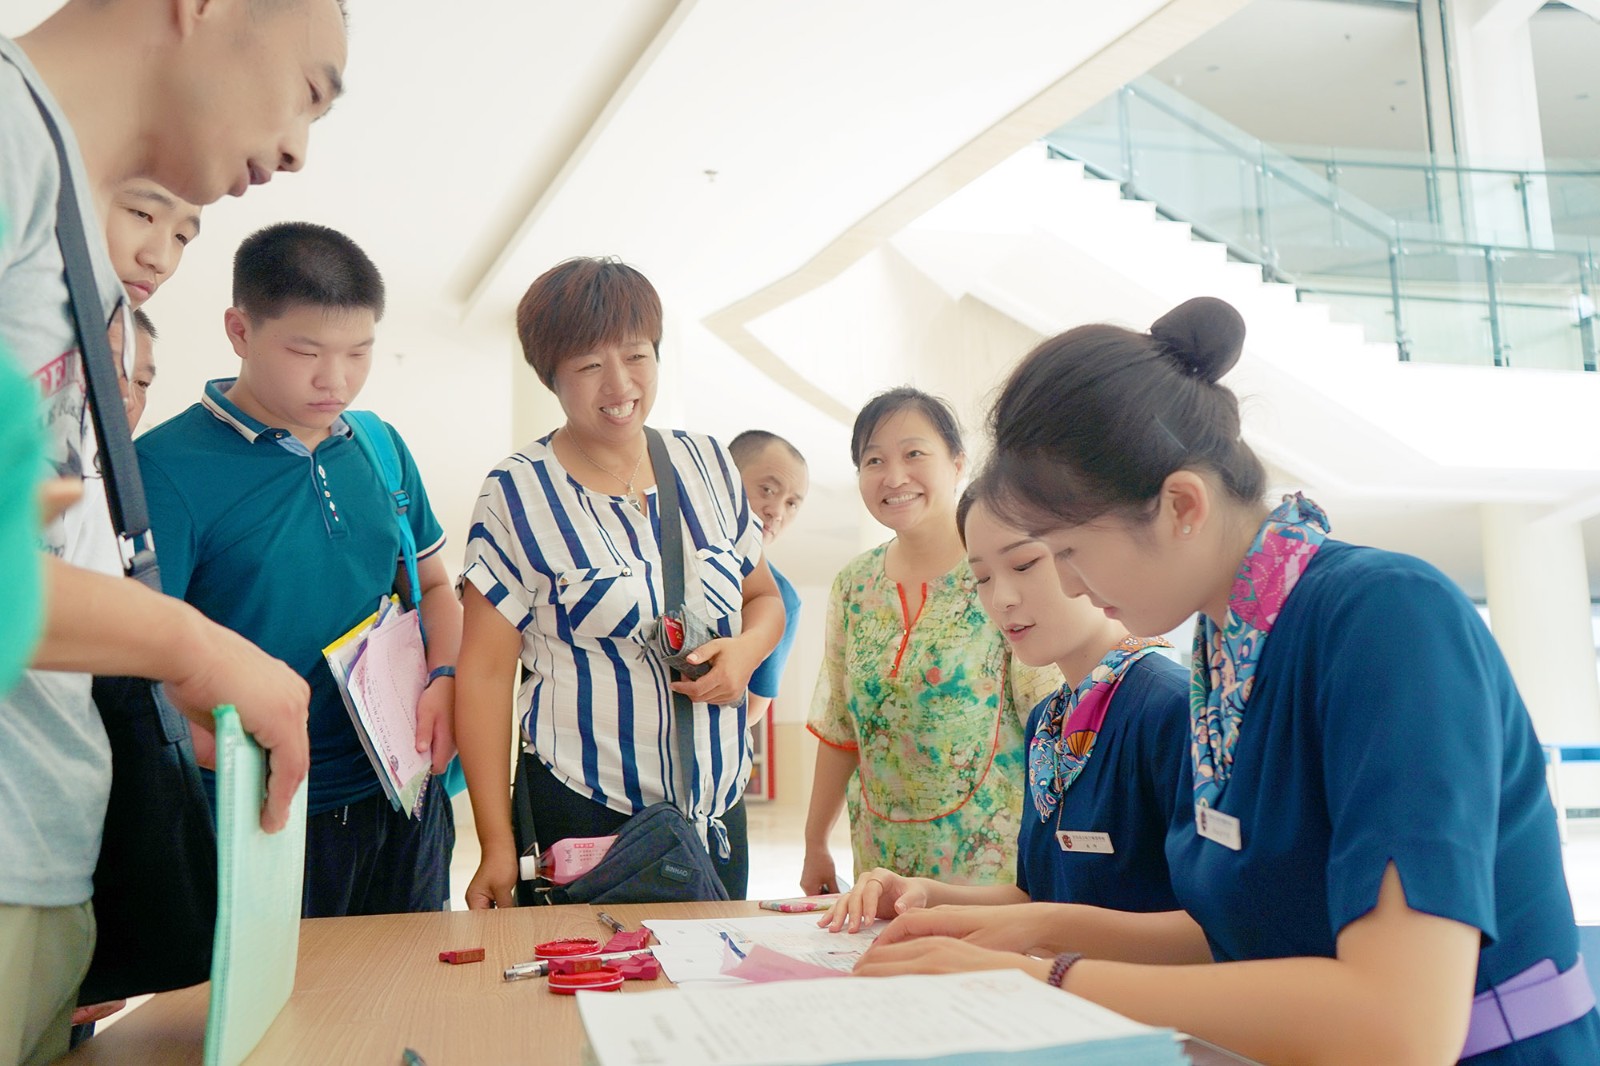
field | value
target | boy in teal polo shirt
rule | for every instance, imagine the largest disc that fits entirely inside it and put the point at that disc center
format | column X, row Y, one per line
column 273, row 522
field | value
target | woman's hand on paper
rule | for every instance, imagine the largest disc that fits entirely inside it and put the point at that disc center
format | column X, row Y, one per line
column 880, row 893
column 941, row 954
column 495, row 883
column 1011, row 928
column 733, row 660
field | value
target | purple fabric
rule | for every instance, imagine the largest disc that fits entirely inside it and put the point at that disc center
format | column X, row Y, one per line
column 1534, row 1001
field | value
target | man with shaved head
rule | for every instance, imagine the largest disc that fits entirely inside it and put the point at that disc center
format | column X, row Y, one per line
column 776, row 480
column 202, row 98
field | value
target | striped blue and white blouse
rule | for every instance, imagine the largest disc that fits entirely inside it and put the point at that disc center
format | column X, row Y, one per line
column 578, row 572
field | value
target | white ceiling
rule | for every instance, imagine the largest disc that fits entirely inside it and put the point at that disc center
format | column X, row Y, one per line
column 480, row 143
column 1347, row 73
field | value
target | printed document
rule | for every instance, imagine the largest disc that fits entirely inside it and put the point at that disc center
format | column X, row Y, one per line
column 1001, row 1016
column 702, row 950
column 381, row 670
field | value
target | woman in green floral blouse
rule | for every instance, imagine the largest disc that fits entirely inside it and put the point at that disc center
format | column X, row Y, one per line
column 919, row 707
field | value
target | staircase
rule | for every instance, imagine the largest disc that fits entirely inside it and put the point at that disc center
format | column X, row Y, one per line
column 1523, row 297
column 1051, row 246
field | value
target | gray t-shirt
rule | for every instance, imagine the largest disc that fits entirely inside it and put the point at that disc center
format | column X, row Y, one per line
column 55, row 764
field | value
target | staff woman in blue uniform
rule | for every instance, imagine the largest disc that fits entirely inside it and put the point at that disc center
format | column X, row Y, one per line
column 1367, row 862
column 1104, row 752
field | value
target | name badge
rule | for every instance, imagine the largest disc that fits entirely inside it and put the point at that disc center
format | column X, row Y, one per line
column 1214, row 825
column 1093, row 843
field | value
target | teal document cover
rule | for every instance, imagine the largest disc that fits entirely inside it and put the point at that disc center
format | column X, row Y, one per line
column 258, row 900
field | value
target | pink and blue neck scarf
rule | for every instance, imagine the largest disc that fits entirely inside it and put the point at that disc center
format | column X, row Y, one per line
column 1225, row 659
column 1066, row 732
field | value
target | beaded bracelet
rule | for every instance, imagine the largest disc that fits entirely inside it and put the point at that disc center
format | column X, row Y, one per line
column 1059, row 968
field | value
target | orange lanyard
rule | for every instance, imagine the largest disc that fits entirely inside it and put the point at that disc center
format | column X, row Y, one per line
column 908, row 621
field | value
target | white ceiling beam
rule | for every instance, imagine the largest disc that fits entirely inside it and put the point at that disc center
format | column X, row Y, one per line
column 1497, row 16
column 1579, row 509
column 1588, row 7
column 1171, row 27
column 480, row 275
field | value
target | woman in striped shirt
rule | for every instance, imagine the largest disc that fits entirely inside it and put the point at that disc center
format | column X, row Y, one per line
column 564, row 575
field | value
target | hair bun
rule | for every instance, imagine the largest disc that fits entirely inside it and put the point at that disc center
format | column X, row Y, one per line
column 1205, row 335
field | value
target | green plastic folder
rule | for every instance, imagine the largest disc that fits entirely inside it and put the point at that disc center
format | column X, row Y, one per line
column 258, row 900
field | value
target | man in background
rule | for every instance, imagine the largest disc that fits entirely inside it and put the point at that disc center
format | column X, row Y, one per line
column 776, row 479
column 204, row 98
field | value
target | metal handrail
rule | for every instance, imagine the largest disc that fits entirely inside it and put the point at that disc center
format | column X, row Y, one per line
column 1294, row 180
column 1271, row 166
column 1438, row 168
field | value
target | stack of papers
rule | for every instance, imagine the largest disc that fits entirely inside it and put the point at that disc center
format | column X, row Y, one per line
column 994, row 1016
column 709, row 950
column 381, row 670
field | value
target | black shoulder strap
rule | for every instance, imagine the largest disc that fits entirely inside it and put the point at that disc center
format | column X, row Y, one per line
column 119, row 464
column 672, row 580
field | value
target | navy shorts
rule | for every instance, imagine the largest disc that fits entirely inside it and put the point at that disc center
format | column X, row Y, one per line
column 368, row 858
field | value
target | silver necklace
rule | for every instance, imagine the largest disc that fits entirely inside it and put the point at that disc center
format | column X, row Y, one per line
column 628, row 492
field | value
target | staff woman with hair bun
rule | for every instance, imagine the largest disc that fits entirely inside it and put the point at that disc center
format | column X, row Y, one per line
column 1367, row 858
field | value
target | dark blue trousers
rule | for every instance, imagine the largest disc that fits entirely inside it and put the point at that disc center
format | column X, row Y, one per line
column 368, row 858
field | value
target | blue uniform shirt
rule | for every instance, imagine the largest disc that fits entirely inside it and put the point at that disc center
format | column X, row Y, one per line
column 764, row 682
column 286, row 547
column 1384, row 727
column 1127, row 790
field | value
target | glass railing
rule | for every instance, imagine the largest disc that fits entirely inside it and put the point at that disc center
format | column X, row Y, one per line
column 1531, row 207
column 1437, row 299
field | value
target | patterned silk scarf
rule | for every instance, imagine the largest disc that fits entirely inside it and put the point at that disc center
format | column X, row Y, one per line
column 1225, row 659
column 1066, row 733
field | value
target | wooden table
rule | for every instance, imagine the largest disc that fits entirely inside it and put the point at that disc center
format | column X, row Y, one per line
column 368, row 988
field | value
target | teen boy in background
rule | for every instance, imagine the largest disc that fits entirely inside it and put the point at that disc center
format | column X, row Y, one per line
column 148, row 229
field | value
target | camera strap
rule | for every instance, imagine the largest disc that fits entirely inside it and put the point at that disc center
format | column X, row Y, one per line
column 672, row 566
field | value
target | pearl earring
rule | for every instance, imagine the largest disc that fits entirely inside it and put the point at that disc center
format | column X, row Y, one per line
column 1187, row 530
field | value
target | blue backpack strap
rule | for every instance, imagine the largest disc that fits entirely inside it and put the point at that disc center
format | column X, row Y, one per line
column 373, row 437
